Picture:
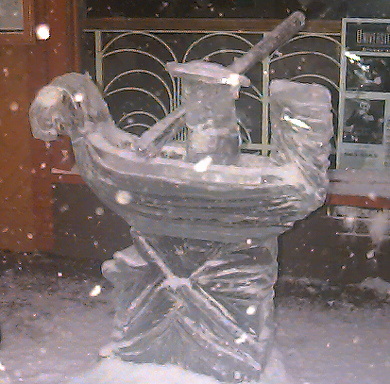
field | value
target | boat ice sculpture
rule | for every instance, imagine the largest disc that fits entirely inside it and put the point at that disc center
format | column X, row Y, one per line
column 195, row 290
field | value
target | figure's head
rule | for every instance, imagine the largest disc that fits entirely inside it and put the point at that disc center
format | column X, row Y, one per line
column 44, row 125
column 364, row 106
column 52, row 113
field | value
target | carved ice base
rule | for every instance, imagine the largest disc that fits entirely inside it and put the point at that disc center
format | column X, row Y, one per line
column 205, row 307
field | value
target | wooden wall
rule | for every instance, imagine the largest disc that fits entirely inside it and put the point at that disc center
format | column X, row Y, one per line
column 17, row 223
column 26, row 222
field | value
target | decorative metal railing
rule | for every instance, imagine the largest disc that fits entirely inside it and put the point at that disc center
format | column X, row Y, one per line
column 129, row 67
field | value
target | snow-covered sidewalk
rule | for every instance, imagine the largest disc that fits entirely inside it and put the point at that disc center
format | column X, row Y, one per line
column 53, row 327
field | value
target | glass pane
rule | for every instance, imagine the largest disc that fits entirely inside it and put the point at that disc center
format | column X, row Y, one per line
column 11, row 15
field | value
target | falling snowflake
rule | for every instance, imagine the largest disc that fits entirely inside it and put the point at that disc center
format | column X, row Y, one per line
column 95, row 291
column 123, row 197
column 203, row 165
column 42, row 32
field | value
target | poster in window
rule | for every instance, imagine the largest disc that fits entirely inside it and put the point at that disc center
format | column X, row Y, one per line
column 364, row 121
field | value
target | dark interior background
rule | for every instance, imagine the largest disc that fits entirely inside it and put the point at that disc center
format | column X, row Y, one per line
column 278, row 9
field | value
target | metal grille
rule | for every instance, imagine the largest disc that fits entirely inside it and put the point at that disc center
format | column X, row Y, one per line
column 129, row 67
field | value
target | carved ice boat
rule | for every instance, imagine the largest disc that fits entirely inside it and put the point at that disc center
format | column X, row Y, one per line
column 196, row 288
column 256, row 197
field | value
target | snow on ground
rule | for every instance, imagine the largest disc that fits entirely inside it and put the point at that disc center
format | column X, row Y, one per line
column 53, row 327
column 335, row 346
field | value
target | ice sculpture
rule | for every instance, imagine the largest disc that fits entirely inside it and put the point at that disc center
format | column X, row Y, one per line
column 195, row 290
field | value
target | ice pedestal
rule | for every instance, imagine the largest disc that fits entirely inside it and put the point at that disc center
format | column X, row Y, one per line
column 203, row 306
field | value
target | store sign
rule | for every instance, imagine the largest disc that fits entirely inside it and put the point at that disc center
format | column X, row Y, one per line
column 368, row 36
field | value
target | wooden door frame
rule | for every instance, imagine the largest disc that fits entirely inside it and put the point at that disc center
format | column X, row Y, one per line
column 60, row 54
